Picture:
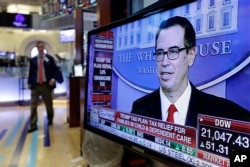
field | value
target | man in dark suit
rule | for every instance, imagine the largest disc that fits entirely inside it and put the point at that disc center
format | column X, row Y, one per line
column 41, row 80
column 175, row 52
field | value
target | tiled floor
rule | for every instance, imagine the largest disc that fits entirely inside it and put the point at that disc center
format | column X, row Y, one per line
column 53, row 146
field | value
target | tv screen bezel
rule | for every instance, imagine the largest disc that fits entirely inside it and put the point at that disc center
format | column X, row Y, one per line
column 152, row 9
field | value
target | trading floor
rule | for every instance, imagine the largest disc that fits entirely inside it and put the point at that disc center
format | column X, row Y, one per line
column 49, row 146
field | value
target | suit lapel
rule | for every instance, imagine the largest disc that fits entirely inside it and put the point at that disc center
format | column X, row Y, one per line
column 193, row 108
column 156, row 106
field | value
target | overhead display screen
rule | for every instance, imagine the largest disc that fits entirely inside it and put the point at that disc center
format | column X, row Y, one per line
column 15, row 20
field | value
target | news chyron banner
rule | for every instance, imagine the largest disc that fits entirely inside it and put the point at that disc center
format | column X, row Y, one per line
column 102, row 69
column 209, row 145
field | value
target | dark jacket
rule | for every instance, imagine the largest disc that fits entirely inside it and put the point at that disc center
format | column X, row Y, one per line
column 50, row 68
column 200, row 103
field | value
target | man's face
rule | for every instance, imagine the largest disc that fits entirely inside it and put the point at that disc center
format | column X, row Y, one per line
column 40, row 48
column 173, row 74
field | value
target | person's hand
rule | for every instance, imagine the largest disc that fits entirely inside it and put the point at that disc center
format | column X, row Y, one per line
column 52, row 82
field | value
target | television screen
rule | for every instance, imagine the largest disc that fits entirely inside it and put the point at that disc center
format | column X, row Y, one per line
column 3, row 54
column 92, row 1
column 15, row 20
column 67, row 35
column 78, row 70
column 126, row 63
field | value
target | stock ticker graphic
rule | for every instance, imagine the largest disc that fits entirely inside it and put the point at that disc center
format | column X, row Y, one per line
column 211, row 144
column 219, row 136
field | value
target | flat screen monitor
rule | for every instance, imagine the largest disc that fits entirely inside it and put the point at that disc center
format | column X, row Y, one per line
column 92, row 1
column 78, row 70
column 3, row 54
column 123, row 65
column 15, row 20
column 67, row 35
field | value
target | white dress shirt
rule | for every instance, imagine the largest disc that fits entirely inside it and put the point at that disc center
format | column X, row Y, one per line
column 181, row 104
